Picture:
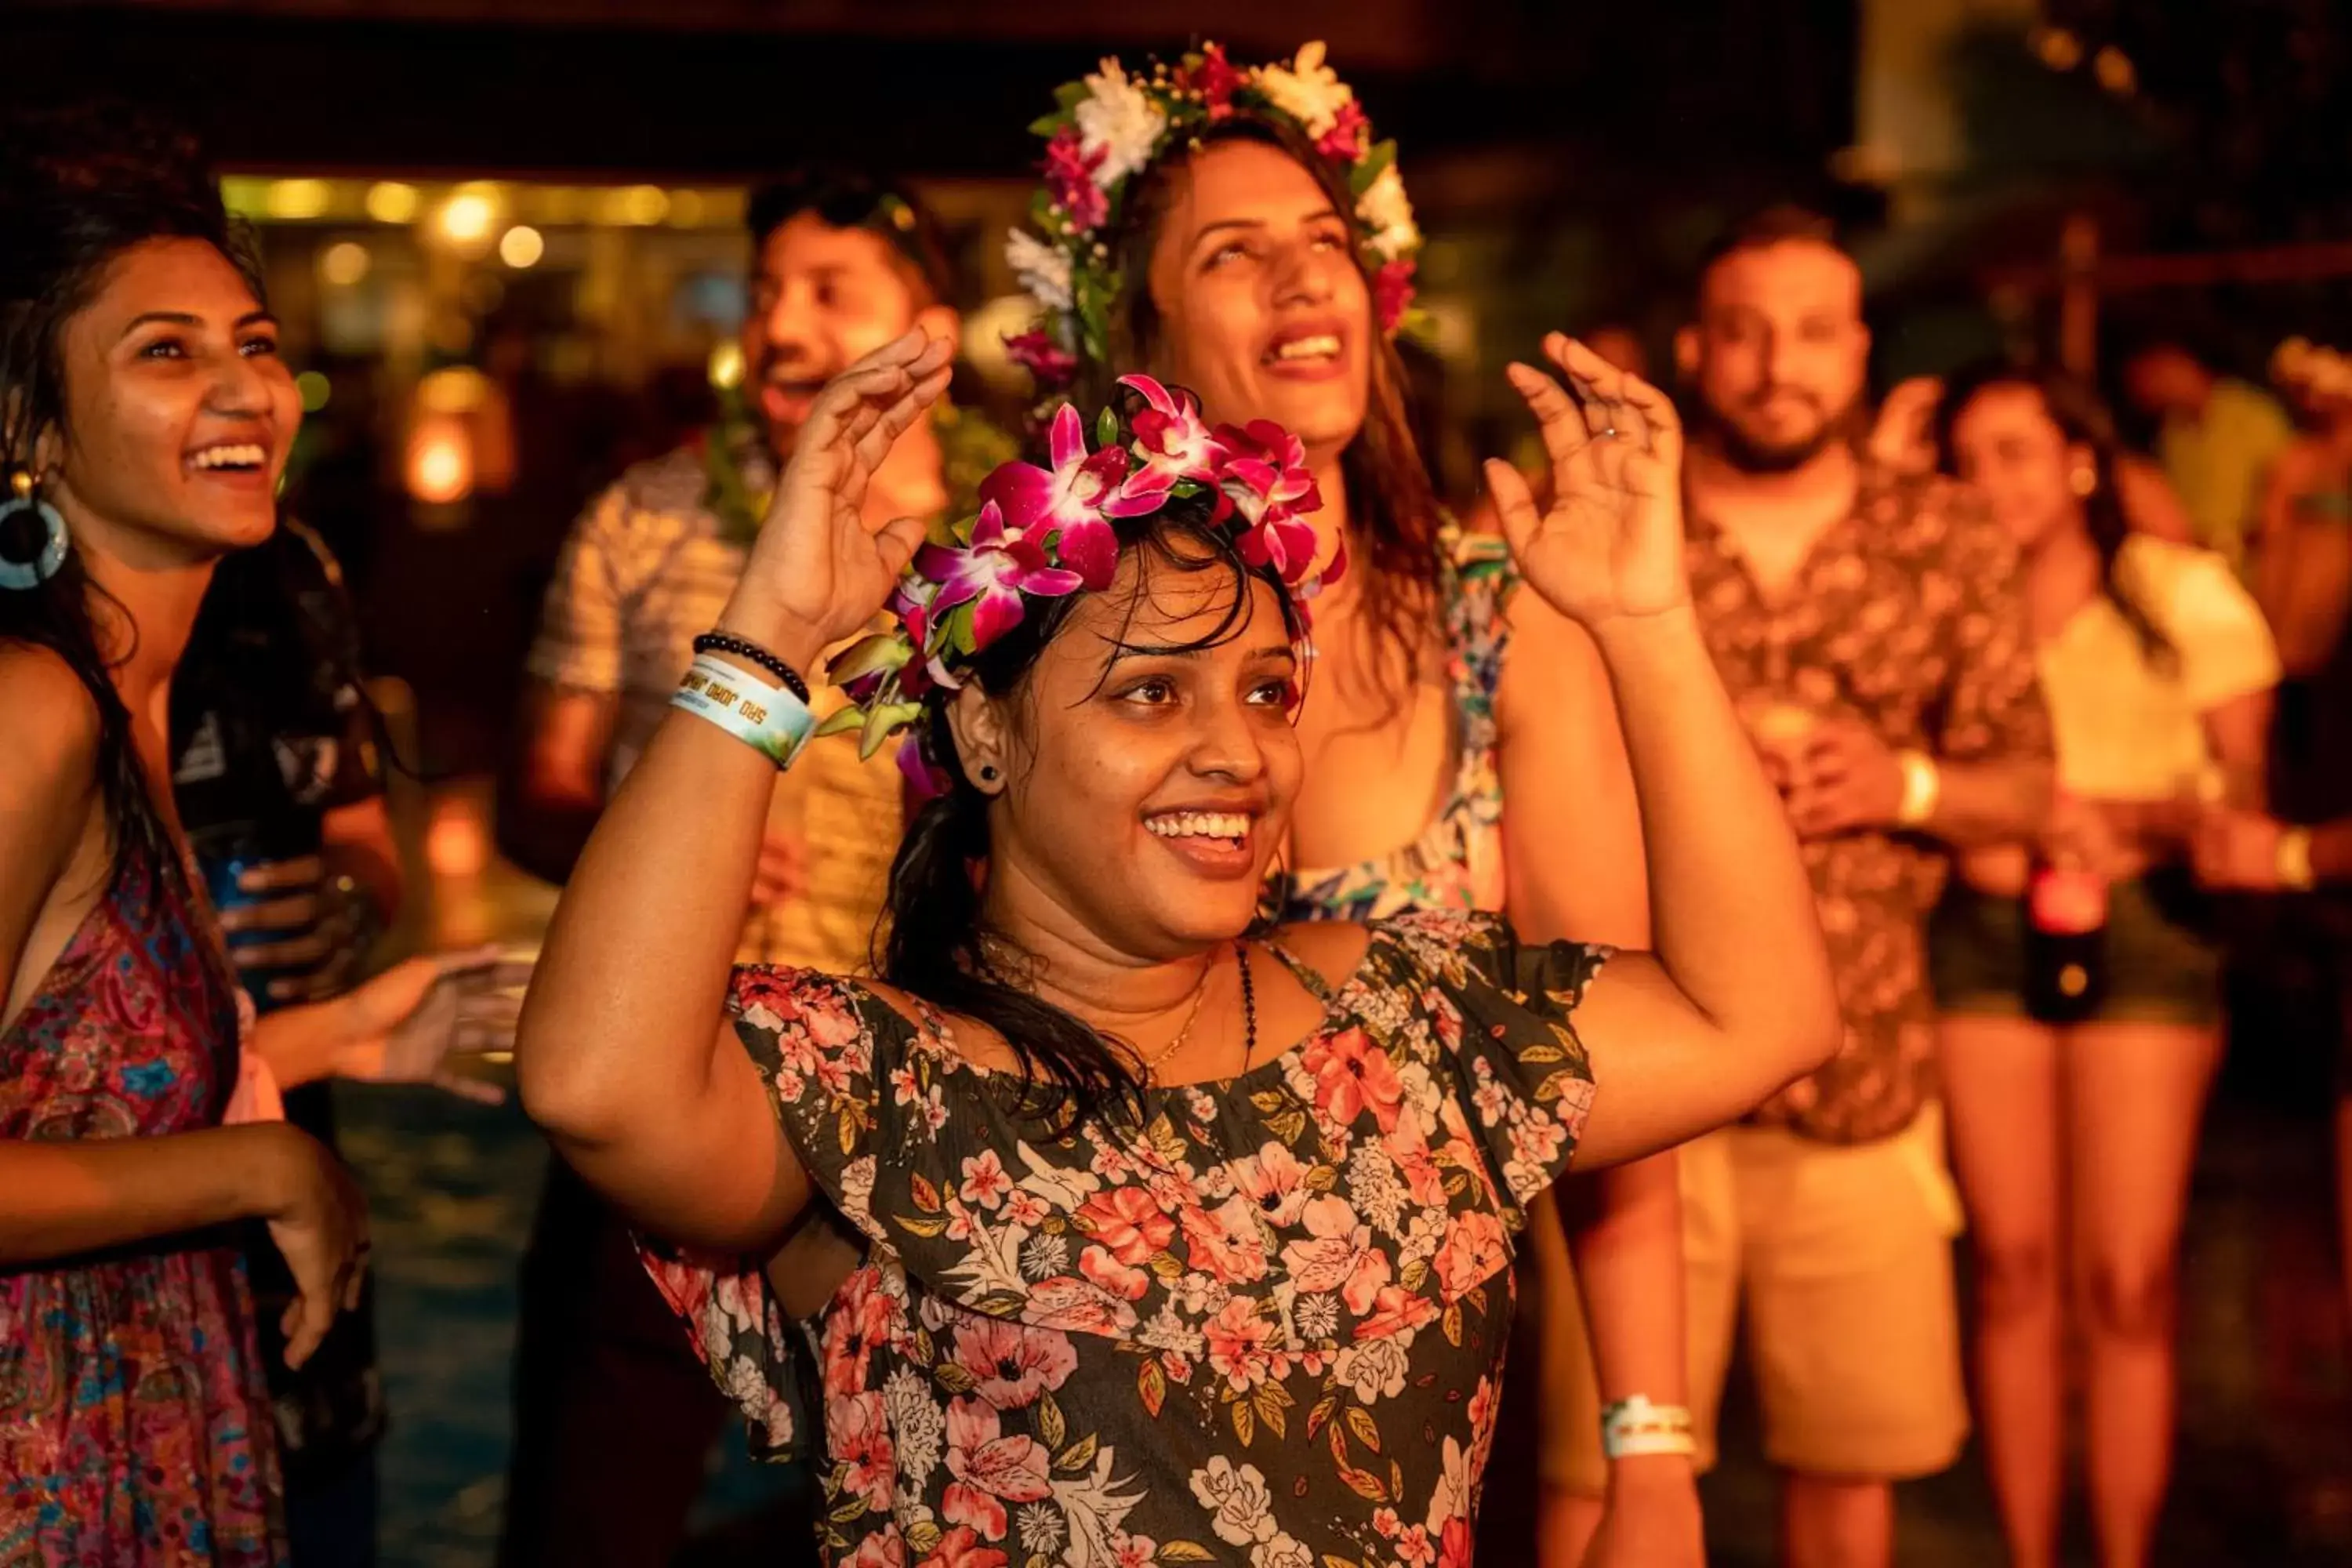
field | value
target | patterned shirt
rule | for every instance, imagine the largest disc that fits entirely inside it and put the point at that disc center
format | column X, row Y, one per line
column 1264, row 1328
column 646, row 569
column 1910, row 618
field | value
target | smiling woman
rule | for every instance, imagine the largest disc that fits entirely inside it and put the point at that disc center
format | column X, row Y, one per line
column 1110, row 1190
column 144, row 419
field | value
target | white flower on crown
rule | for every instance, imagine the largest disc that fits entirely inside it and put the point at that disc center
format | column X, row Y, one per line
column 1119, row 119
column 1307, row 90
column 1044, row 269
column 1388, row 214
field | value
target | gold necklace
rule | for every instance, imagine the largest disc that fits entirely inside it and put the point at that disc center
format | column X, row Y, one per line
column 1199, row 994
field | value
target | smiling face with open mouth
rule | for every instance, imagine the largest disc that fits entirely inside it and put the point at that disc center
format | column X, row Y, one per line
column 1264, row 308
column 821, row 298
column 1150, row 758
column 179, row 412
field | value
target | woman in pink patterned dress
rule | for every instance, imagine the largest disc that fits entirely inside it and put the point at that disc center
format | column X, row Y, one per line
column 144, row 418
column 1126, row 1229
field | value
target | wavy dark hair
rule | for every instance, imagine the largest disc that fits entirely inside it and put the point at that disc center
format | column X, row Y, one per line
column 2083, row 420
column 79, row 187
column 930, row 943
column 1390, row 497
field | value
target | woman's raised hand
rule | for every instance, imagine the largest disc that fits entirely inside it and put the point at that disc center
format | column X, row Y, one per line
column 817, row 573
column 1611, row 545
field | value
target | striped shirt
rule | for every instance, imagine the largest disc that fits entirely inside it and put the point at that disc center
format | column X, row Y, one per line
column 647, row 568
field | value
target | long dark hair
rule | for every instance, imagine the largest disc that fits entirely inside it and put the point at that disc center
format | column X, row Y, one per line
column 1390, row 494
column 78, row 188
column 931, row 944
column 2083, row 420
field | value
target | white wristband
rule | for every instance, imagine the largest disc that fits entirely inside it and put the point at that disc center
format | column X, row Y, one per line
column 769, row 718
column 1922, row 787
column 1633, row 1427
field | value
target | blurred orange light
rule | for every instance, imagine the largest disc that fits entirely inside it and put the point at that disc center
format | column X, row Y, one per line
column 456, row 845
column 440, row 467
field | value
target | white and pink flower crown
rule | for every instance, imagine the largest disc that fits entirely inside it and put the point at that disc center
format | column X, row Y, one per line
column 1111, row 126
column 1046, row 534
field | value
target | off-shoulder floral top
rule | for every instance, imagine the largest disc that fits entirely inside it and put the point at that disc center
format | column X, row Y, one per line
column 1264, row 1328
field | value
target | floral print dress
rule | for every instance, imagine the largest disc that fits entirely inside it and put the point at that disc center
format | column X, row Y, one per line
column 134, row 1422
column 1265, row 1328
column 1457, row 861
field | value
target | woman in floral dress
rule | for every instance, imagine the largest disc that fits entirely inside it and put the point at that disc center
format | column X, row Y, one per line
column 1112, row 1226
column 1242, row 229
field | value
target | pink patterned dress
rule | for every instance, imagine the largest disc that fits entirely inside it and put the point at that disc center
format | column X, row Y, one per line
column 134, row 1422
column 1265, row 1328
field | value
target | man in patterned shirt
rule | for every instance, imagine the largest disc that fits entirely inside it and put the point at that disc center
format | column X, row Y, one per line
column 614, row 1419
column 1871, row 627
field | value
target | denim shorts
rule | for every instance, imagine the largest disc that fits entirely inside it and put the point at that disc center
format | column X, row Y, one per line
column 2161, row 968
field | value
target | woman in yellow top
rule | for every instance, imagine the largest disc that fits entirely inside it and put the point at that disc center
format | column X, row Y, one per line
column 2158, row 672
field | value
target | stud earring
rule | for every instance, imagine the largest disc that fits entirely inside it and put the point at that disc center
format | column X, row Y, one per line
column 988, row 772
column 25, row 497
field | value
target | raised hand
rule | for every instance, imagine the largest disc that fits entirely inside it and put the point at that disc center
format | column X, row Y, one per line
column 1611, row 545
column 817, row 573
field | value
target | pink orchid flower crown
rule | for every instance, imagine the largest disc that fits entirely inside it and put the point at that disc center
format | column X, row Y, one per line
column 1112, row 125
column 1046, row 534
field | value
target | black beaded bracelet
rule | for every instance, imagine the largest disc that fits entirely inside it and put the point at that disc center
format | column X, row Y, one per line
column 743, row 647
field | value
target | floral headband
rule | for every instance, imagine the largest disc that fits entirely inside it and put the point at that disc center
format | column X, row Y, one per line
column 1111, row 126
column 1046, row 534
column 2311, row 368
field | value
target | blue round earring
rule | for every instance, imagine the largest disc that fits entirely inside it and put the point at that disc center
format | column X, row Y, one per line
column 24, row 498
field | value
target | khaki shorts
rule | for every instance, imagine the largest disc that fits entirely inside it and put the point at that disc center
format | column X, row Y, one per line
column 1852, row 1323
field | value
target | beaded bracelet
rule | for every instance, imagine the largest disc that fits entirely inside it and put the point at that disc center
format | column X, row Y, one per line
column 744, row 647
column 768, row 719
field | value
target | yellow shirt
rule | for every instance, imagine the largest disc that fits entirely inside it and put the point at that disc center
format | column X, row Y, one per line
column 2130, row 727
column 2219, row 461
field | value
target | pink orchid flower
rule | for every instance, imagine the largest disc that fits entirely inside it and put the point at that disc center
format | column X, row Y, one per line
column 1264, row 475
column 1052, row 365
column 1345, row 141
column 1215, row 80
column 1069, row 506
column 1171, row 438
column 1393, row 291
column 1070, row 180
column 1000, row 565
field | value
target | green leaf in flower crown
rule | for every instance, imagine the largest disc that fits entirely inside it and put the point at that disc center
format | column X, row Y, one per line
column 957, row 625
column 1360, row 177
column 1071, row 94
column 841, row 721
column 1107, row 428
column 885, row 720
column 883, row 650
